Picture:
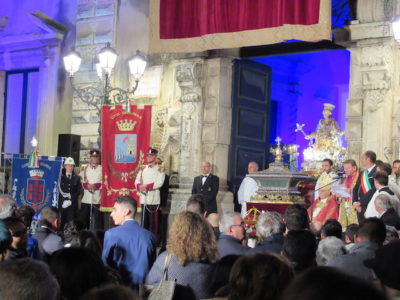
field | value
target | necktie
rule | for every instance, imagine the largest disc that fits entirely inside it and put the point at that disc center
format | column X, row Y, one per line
column 69, row 176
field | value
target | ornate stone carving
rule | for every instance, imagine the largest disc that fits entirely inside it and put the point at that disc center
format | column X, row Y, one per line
column 374, row 99
column 376, row 85
column 188, row 77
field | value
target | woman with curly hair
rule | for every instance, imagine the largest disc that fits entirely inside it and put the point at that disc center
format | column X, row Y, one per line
column 192, row 249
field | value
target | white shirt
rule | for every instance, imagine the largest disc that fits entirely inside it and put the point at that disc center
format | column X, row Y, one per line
column 371, row 212
column 317, row 209
column 204, row 178
column 147, row 176
column 93, row 175
column 247, row 189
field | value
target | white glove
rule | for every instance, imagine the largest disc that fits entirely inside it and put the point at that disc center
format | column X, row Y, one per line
column 66, row 203
column 66, row 195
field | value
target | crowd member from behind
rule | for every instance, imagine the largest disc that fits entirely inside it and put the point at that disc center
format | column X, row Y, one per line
column 391, row 234
column 385, row 167
column 350, row 235
column 232, row 228
column 70, row 191
column 296, row 218
column 19, row 235
column 7, row 206
column 86, row 239
column 196, row 204
column 381, row 181
column 77, row 270
column 261, row 276
column 46, row 236
column 270, row 228
column 5, row 240
column 386, row 212
column 26, row 213
column 369, row 238
column 111, row 291
column 328, row 283
column 191, row 251
column 220, row 276
column 386, row 265
column 329, row 247
column 128, row 248
column 300, row 248
column 331, row 228
column 27, row 279
column 213, row 219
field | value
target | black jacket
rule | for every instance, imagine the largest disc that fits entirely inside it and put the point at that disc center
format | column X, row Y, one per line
column 365, row 198
column 209, row 190
column 72, row 186
column 391, row 218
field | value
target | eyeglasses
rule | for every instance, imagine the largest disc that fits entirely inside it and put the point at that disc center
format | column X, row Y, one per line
column 20, row 233
column 241, row 224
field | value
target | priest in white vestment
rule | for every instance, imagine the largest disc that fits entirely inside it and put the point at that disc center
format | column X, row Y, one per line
column 248, row 187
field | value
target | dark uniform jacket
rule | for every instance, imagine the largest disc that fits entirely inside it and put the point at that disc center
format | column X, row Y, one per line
column 209, row 190
column 365, row 198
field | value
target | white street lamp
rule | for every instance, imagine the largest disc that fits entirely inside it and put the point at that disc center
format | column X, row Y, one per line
column 72, row 61
column 137, row 65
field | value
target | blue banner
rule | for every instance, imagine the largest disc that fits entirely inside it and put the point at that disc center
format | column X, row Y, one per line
column 36, row 187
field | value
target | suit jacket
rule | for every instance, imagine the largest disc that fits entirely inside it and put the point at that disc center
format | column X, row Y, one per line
column 130, row 249
column 72, row 186
column 365, row 198
column 391, row 218
column 209, row 190
column 273, row 243
column 227, row 245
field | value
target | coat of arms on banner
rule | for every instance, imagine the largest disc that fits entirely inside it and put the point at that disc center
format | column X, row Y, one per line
column 125, row 137
column 125, row 148
column 36, row 187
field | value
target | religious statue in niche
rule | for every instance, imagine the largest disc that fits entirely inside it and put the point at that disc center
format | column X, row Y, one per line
column 325, row 142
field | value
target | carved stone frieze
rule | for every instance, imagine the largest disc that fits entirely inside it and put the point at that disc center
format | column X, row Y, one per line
column 188, row 76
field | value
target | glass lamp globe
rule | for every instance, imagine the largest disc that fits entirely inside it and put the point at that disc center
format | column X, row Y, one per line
column 137, row 65
column 72, row 61
column 107, row 58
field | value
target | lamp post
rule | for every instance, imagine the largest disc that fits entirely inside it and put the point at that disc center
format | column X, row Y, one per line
column 102, row 93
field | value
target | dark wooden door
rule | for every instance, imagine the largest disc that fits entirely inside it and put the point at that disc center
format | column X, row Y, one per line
column 250, row 119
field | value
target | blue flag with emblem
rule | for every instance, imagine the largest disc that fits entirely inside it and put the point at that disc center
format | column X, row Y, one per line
column 36, row 187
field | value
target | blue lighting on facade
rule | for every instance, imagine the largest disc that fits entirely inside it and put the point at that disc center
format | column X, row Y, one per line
column 301, row 84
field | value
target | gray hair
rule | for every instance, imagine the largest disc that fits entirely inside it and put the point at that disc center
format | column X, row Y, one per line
column 329, row 247
column 383, row 202
column 7, row 206
column 227, row 221
column 270, row 223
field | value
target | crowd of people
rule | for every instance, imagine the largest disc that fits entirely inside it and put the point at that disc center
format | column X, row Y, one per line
column 299, row 254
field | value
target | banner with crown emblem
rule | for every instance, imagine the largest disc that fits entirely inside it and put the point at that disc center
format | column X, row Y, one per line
column 36, row 187
column 125, row 138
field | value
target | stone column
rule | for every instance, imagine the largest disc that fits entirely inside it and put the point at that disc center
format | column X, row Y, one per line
column 204, row 126
column 372, row 114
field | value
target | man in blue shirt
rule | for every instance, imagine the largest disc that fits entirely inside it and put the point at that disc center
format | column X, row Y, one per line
column 128, row 248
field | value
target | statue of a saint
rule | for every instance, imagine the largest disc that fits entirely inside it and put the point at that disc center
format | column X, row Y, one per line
column 328, row 132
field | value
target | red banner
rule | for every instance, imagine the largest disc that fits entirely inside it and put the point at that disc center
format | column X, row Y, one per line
column 125, row 139
column 188, row 18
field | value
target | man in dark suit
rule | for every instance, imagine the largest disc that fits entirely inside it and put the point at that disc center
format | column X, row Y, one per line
column 366, row 189
column 385, row 209
column 128, row 248
column 70, row 191
column 207, row 185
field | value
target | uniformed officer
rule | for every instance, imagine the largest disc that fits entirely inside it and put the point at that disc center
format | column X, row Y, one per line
column 148, row 183
column 70, row 190
column 91, row 182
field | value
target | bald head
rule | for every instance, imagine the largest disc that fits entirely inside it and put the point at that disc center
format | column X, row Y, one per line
column 252, row 167
column 205, row 167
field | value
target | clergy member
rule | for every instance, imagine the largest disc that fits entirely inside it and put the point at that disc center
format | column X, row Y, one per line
column 248, row 187
column 327, row 167
column 325, row 207
column 351, row 182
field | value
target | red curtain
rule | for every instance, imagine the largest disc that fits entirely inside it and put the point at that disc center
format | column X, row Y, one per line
column 125, row 138
column 194, row 18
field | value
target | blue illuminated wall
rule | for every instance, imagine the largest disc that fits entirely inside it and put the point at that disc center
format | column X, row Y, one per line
column 301, row 84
